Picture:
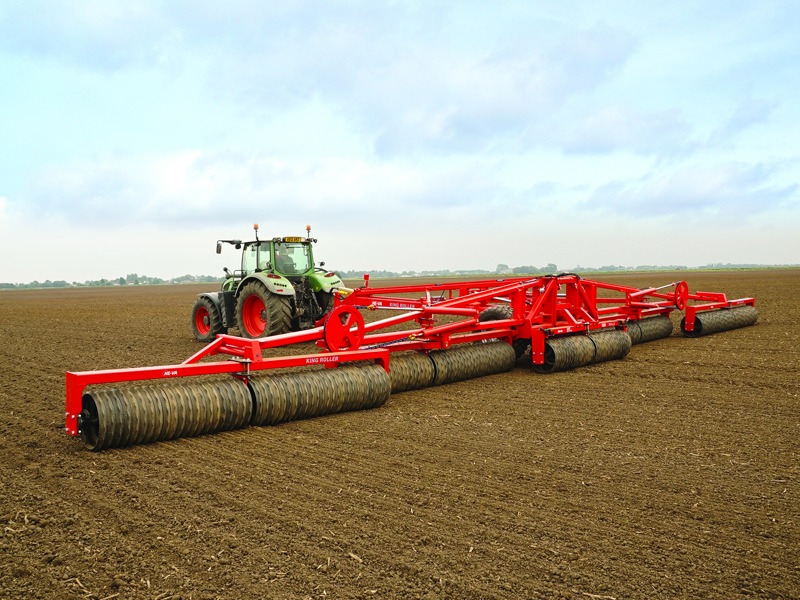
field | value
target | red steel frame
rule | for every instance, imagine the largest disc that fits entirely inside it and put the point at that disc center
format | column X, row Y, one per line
column 249, row 358
column 541, row 308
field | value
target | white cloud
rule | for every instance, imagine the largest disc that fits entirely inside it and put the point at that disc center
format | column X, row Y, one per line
column 621, row 129
column 748, row 113
column 396, row 124
column 91, row 33
column 729, row 192
column 199, row 186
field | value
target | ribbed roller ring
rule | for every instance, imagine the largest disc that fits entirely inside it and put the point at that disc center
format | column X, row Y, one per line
column 115, row 417
column 410, row 371
column 649, row 329
column 467, row 361
column 610, row 345
column 570, row 352
column 305, row 394
column 715, row 321
column 564, row 353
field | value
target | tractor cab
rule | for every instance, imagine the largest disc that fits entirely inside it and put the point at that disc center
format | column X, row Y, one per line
column 286, row 256
column 292, row 257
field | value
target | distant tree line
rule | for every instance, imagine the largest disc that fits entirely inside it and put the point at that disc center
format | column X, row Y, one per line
column 501, row 269
column 130, row 279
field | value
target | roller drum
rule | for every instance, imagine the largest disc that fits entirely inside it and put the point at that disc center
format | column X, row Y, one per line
column 570, row 352
column 305, row 394
column 116, row 417
column 649, row 329
column 410, row 371
column 564, row 353
column 610, row 345
column 715, row 321
column 467, row 361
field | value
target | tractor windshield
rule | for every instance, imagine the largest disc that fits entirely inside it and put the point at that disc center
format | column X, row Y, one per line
column 293, row 258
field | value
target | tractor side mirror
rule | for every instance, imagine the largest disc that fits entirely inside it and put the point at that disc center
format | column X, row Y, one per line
column 219, row 247
column 322, row 263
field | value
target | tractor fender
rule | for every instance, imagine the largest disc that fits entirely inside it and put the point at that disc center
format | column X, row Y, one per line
column 274, row 283
column 324, row 281
column 225, row 301
column 215, row 297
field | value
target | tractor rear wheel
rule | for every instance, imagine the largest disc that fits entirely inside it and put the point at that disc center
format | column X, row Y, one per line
column 260, row 313
column 206, row 320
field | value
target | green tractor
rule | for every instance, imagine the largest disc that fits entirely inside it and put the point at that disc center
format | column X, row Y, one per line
column 277, row 290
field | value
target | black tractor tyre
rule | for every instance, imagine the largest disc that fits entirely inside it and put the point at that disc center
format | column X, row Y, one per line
column 498, row 313
column 206, row 320
column 260, row 313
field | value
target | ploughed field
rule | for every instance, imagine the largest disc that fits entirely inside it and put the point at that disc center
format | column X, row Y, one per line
column 670, row 474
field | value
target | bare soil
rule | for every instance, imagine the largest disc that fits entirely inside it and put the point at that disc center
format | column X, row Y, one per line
column 670, row 474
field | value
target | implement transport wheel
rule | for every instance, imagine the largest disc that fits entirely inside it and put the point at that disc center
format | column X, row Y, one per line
column 260, row 313
column 344, row 329
column 206, row 321
column 496, row 313
column 500, row 312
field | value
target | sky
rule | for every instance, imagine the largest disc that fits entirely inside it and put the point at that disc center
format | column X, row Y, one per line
column 410, row 135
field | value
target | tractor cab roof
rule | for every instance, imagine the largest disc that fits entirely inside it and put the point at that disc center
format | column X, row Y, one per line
column 289, row 239
column 294, row 239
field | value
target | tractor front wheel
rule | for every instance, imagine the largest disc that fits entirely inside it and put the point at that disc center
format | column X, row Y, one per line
column 260, row 313
column 206, row 321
